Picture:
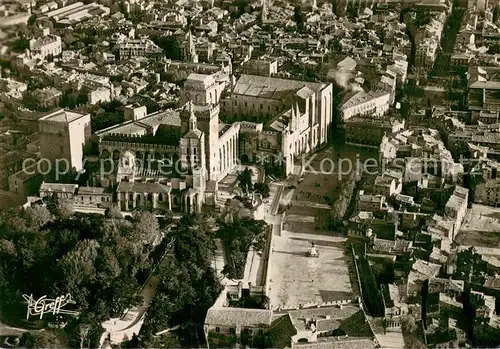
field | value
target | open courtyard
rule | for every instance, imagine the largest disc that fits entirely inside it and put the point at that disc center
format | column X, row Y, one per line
column 297, row 279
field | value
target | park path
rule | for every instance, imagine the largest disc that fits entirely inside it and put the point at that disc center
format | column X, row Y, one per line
column 119, row 329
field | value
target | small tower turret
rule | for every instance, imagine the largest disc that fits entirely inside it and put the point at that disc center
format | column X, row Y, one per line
column 193, row 122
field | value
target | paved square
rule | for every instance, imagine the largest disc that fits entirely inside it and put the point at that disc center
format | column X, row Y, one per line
column 295, row 278
column 298, row 279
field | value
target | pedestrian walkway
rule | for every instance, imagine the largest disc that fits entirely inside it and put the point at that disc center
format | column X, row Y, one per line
column 276, row 200
column 119, row 329
column 391, row 340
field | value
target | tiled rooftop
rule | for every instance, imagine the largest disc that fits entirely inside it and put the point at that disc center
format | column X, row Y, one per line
column 58, row 187
column 238, row 317
column 271, row 88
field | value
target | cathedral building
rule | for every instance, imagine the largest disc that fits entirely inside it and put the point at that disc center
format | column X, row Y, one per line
column 174, row 159
column 157, row 160
column 281, row 119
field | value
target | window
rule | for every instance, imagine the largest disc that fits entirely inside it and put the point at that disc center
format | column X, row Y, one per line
column 261, row 106
column 102, row 198
column 217, row 329
column 232, row 330
column 130, row 197
column 246, row 104
column 261, row 332
column 90, row 198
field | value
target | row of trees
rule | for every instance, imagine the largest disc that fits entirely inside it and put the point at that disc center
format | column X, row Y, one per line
column 238, row 236
column 189, row 285
column 341, row 202
column 245, row 183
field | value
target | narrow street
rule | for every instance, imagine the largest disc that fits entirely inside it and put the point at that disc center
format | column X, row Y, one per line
column 448, row 39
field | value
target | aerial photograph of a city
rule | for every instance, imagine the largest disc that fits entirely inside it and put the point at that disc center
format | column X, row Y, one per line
column 251, row 174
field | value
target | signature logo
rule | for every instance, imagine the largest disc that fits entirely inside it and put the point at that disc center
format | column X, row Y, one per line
column 45, row 305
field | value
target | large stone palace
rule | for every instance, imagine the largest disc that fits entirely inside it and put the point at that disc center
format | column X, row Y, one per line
column 174, row 159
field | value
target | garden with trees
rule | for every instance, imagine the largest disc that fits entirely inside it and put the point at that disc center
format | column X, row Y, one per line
column 100, row 261
column 109, row 114
column 189, row 285
column 103, row 261
column 238, row 237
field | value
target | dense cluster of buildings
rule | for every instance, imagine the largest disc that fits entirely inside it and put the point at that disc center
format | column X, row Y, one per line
column 144, row 104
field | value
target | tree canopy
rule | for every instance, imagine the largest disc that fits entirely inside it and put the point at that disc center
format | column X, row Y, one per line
column 189, row 285
column 245, row 180
column 103, row 260
column 94, row 258
column 298, row 17
column 262, row 188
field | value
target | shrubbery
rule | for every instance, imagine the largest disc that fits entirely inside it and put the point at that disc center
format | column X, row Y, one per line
column 238, row 237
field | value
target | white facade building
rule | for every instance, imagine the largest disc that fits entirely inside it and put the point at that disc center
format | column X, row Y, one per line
column 49, row 45
column 366, row 103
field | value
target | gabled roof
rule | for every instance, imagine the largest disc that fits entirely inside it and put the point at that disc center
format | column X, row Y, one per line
column 305, row 92
column 486, row 84
column 324, row 312
column 197, row 134
column 281, row 332
column 347, row 64
column 362, row 97
column 58, row 187
column 348, row 343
